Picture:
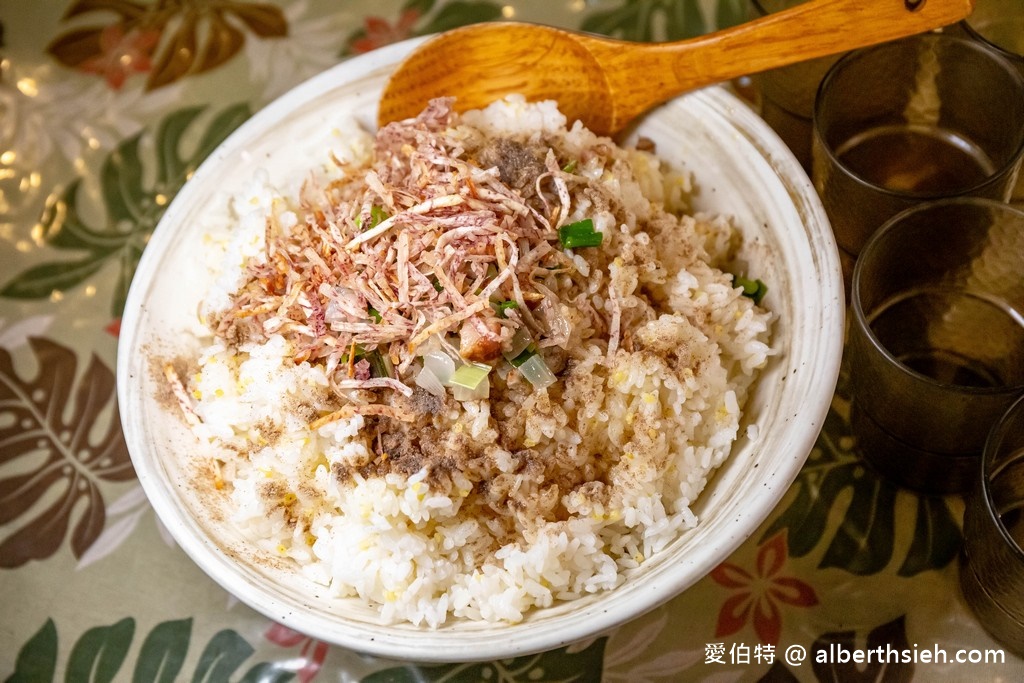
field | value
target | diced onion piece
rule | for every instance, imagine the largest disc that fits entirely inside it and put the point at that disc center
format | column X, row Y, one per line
column 537, row 371
column 429, row 382
column 482, row 391
column 440, row 364
column 520, row 341
column 470, row 375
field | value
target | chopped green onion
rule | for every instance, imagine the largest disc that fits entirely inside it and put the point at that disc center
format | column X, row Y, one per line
column 537, row 372
column 502, row 307
column 374, row 313
column 753, row 289
column 427, row 380
column 570, row 167
column 360, row 353
column 380, row 364
column 528, row 353
column 438, row 287
column 377, row 216
column 579, row 234
column 469, row 375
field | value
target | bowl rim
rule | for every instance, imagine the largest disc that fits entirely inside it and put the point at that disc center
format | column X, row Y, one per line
column 405, row 642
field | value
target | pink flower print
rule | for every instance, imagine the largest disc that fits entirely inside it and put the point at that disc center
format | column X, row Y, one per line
column 122, row 54
column 378, row 32
column 312, row 654
column 758, row 595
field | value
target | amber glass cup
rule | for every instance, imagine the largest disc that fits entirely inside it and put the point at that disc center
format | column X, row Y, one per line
column 914, row 120
column 937, row 339
column 786, row 94
column 999, row 26
column 991, row 560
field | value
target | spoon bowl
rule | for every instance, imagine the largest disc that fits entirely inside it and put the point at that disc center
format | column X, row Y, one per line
column 606, row 83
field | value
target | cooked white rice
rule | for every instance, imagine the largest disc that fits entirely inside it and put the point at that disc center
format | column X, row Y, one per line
column 561, row 491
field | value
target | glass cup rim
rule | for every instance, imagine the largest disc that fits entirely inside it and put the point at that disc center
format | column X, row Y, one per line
column 860, row 315
column 992, row 441
column 856, row 55
column 965, row 24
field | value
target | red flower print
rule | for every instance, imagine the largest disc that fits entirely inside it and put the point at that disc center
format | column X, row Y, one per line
column 114, row 328
column 122, row 54
column 377, row 32
column 757, row 595
column 312, row 654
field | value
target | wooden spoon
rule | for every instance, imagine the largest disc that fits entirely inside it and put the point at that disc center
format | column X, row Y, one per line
column 606, row 83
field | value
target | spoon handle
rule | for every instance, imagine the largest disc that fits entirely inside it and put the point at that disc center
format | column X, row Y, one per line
column 812, row 29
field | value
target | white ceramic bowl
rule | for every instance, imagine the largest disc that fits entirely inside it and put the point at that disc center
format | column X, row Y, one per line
column 742, row 169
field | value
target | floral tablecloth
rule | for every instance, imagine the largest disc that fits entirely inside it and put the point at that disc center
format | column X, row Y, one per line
column 106, row 107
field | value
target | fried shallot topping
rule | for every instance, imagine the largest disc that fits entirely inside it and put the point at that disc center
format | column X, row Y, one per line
column 431, row 239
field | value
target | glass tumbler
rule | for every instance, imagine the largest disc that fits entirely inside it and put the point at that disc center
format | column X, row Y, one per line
column 936, row 339
column 787, row 93
column 999, row 25
column 913, row 120
column 991, row 559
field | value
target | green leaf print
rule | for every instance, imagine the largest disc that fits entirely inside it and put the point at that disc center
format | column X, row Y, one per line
column 888, row 636
column 936, row 537
column 834, row 483
column 555, row 666
column 132, row 208
column 267, row 673
column 163, row 652
column 664, row 20
column 778, row 673
column 732, row 12
column 223, row 654
column 37, row 660
column 649, row 20
column 39, row 281
column 100, row 654
column 828, row 667
column 460, row 13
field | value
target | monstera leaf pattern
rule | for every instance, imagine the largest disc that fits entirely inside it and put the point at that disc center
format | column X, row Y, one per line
column 101, row 654
column 659, row 20
column 563, row 665
column 59, row 439
column 864, row 541
column 891, row 635
column 132, row 208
